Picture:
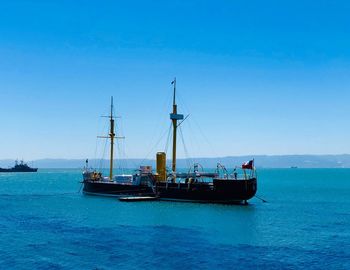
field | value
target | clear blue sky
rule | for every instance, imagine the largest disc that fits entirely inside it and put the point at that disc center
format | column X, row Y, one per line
column 258, row 77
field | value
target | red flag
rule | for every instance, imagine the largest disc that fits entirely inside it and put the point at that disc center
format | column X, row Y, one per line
column 248, row 165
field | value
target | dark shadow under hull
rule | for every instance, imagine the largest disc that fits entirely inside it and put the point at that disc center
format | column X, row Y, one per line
column 114, row 189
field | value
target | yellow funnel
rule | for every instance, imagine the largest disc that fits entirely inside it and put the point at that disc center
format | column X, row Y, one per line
column 161, row 166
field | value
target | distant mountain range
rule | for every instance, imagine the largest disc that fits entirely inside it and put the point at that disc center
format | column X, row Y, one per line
column 261, row 161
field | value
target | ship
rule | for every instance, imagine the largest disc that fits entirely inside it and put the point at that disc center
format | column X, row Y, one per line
column 197, row 185
column 95, row 183
column 194, row 185
column 19, row 167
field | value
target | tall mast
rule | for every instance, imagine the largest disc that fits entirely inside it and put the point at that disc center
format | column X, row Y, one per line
column 174, row 116
column 111, row 135
column 174, row 128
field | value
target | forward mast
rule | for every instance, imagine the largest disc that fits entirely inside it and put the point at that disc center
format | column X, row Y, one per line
column 111, row 136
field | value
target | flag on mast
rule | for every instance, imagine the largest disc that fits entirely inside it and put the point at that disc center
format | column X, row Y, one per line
column 248, row 165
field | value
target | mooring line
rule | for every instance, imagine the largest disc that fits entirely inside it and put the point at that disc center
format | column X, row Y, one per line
column 264, row 201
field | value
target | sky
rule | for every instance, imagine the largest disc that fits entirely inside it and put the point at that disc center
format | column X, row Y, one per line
column 255, row 77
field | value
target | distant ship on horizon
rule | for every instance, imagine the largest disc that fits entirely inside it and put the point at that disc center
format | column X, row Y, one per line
column 19, row 167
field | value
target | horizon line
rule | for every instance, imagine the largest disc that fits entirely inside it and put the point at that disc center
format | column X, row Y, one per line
column 247, row 155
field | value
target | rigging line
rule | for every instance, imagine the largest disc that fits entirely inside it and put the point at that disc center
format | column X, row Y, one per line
column 96, row 159
column 207, row 140
column 127, row 158
column 186, row 111
column 166, row 104
column 196, row 139
column 103, row 155
column 183, row 120
column 103, row 161
column 193, row 139
column 95, row 153
column 123, row 148
column 168, row 139
column 199, row 128
column 167, row 101
column 264, row 201
column 188, row 158
column 184, row 146
column 121, row 144
column 121, row 160
column 160, row 138
column 118, row 156
column 182, row 102
column 96, row 142
column 130, row 160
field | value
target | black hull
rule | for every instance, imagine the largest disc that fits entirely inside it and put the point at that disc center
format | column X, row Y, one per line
column 114, row 189
column 18, row 170
column 220, row 191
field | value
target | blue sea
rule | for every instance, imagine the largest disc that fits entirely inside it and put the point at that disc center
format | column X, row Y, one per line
column 46, row 223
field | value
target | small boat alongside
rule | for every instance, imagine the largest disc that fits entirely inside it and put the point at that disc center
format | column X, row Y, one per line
column 138, row 198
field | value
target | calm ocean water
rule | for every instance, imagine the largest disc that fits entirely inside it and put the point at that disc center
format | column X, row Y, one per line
column 46, row 224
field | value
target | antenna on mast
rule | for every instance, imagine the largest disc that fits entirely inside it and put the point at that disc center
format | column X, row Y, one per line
column 174, row 96
column 111, row 115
